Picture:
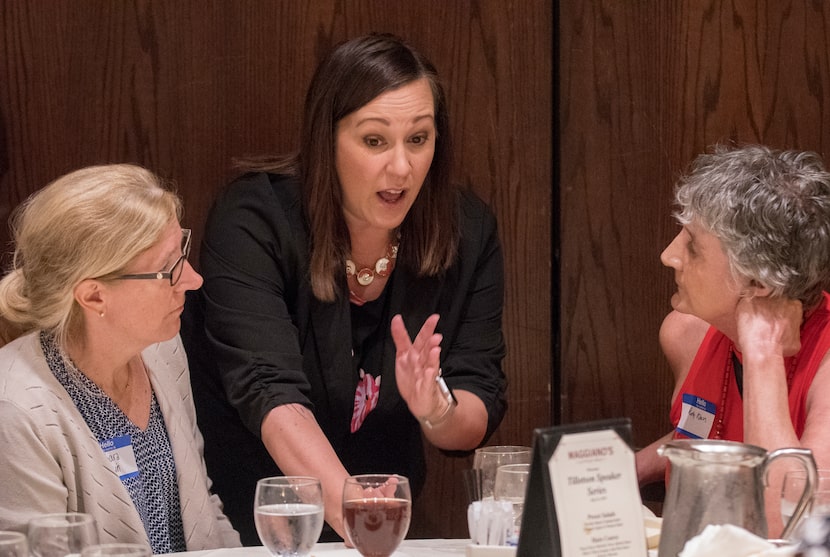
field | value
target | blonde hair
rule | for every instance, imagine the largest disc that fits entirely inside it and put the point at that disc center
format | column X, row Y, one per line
column 89, row 223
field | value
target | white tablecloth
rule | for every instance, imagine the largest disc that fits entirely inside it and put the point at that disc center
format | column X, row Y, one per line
column 408, row 548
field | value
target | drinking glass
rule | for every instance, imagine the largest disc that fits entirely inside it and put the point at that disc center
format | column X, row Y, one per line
column 793, row 487
column 511, row 485
column 376, row 512
column 488, row 460
column 13, row 544
column 117, row 550
column 288, row 514
column 61, row 534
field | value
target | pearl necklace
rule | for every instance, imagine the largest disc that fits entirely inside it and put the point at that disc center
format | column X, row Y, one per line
column 721, row 410
column 382, row 268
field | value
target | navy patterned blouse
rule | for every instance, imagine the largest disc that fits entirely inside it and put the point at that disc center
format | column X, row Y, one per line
column 147, row 470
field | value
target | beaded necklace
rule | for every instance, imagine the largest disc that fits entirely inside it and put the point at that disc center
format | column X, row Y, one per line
column 382, row 267
column 721, row 410
column 365, row 276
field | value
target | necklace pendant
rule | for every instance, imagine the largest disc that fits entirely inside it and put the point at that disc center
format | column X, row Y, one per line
column 382, row 267
column 365, row 277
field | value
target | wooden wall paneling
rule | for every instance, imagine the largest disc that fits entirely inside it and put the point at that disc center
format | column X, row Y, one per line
column 184, row 87
column 612, row 167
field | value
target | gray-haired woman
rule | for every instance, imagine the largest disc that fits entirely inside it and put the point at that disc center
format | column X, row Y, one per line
column 749, row 333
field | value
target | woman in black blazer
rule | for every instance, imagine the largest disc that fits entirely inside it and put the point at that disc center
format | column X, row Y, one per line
column 353, row 297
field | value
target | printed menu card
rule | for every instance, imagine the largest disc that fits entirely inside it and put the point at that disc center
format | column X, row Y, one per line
column 583, row 499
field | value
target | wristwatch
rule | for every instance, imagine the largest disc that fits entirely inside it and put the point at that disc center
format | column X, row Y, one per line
column 451, row 403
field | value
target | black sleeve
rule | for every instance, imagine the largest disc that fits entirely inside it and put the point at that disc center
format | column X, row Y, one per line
column 474, row 353
column 252, row 261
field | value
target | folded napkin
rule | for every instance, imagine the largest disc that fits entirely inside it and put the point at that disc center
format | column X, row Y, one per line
column 719, row 540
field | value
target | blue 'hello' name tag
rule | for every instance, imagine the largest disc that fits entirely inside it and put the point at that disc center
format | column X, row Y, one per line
column 119, row 452
column 697, row 415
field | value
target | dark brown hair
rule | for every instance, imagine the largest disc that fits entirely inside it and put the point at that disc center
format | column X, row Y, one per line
column 352, row 75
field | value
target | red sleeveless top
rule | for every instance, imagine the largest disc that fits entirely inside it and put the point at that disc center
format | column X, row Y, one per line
column 711, row 392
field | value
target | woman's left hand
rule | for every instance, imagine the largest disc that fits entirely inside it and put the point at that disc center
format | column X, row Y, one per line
column 417, row 364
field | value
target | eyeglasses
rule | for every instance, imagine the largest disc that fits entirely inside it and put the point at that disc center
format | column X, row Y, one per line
column 175, row 272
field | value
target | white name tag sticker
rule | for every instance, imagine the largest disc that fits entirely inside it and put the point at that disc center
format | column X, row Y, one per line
column 697, row 415
column 119, row 452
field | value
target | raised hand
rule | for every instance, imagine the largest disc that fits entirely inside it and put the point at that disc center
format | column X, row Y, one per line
column 417, row 364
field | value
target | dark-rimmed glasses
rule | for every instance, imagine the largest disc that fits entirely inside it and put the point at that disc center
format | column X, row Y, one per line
column 175, row 272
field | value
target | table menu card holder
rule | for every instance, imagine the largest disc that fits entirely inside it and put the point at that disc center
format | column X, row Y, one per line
column 583, row 497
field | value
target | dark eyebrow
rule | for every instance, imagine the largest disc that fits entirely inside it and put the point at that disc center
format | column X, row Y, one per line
column 386, row 122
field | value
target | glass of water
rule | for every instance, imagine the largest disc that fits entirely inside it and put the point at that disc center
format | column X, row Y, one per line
column 793, row 487
column 511, row 486
column 13, row 544
column 488, row 459
column 288, row 513
column 61, row 534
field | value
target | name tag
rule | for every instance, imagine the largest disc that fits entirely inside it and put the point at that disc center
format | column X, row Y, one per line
column 119, row 452
column 697, row 415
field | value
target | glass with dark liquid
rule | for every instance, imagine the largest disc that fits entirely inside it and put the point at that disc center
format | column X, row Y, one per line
column 376, row 512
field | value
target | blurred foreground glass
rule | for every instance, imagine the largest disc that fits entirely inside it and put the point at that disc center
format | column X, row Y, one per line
column 488, row 460
column 511, row 486
column 792, row 488
column 288, row 514
column 376, row 512
column 117, row 550
column 61, row 534
column 13, row 544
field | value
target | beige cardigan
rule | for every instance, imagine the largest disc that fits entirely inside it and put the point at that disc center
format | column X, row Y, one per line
column 51, row 462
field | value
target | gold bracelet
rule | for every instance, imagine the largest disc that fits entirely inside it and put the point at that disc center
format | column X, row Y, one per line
column 451, row 403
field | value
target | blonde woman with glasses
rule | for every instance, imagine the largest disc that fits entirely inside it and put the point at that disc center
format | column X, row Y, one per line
column 96, row 412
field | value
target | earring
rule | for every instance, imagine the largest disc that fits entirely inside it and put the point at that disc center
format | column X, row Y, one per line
column 101, row 314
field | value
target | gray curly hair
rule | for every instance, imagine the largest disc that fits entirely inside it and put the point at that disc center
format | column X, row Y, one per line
column 771, row 211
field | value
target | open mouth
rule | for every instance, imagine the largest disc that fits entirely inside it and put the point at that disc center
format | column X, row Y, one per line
column 391, row 196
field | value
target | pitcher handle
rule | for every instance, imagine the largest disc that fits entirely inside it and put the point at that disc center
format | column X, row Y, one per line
column 805, row 456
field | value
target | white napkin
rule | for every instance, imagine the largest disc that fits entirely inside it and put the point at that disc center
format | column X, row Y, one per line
column 725, row 539
column 489, row 522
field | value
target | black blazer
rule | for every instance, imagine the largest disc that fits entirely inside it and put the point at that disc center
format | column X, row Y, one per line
column 258, row 338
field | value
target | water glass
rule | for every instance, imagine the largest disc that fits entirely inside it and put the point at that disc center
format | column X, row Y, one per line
column 376, row 512
column 288, row 514
column 13, row 544
column 511, row 486
column 117, row 550
column 488, row 460
column 793, row 487
column 61, row 534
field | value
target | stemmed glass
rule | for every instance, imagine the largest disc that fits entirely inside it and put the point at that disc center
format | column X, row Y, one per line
column 288, row 513
column 376, row 512
column 13, row 544
column 511, row 486
column 488, row 460
column 61, row 534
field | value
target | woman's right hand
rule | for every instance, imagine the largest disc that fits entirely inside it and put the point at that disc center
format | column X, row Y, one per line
column 770, row 325
column 300, row 448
